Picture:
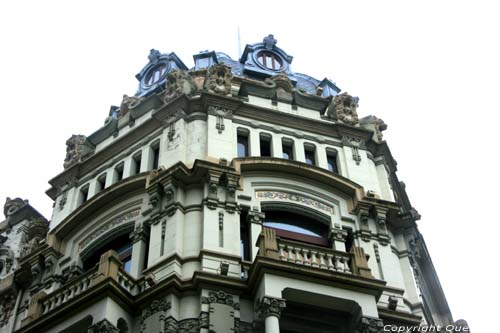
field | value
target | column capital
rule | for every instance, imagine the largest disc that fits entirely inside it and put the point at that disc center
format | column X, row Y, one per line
column 271, row 306
column 255, row 216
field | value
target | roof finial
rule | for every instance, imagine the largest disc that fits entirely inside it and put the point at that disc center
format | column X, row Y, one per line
column 269, row 42
column 153, row 55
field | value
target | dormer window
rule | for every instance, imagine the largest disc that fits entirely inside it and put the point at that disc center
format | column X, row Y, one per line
column 156, row 74
column 270, row 60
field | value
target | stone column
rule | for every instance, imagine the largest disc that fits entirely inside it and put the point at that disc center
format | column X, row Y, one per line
column 254, row 220
column 138, row 237
column 270, row 308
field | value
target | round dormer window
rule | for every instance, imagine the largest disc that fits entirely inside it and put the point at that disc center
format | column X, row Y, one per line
column 156, row 74
column 270, row 60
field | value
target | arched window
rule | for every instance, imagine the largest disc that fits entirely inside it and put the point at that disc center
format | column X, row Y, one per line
column 156, row 74
column 123, row 247
column 297, row 227
column 270, row 60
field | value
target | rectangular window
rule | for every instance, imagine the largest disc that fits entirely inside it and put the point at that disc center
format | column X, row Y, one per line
column 119, row 172
column 265, row 145
column 136, row 163
column 331, row 161
column 156, row 157
column 287, row 146
column 244, row 236
column 310, row 154
column 242, row 144
column 84, row 195
column 101, row 182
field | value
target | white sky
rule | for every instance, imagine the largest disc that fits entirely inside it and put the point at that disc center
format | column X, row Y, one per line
column 429, row 69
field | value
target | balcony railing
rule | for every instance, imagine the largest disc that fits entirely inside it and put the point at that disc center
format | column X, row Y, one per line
column 304, row 254
column 314, row 256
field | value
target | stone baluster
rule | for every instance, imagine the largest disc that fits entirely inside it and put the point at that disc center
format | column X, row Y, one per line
column 299, row 259
column 290, row 253
column 283, row 254
column 314, row 259
column 329, row 262
column 307, row 257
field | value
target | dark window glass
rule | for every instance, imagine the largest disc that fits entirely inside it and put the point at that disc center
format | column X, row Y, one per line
column 270, row 60
column 137, row 164
column 123, row 247
column 156, row 157
column 265, row 146
column 244, row 236
column 288, row 150
column 242, row 145
column 331, row 160
column 297, row 227
column 309, row 155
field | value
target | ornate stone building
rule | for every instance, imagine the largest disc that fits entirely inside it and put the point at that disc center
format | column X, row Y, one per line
column 236, row 196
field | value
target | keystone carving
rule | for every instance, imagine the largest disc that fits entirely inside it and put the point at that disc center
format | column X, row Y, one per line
column 219, row 79
column 178, row 82
column 343, row 108
column 78, row 149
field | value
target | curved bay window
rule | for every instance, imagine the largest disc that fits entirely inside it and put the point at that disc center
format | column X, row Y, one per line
column 123, row 247
column 297, row 227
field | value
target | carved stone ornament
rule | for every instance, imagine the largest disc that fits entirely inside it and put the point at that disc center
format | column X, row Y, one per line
column 270, row 42
column 128, row 103
column 154, row 56
column 178, row 82
column 219, row 79
column 370, row 325
column 222, row 298
column 104, row 326
column 78, row 149
column 282, row 81
column 158, row 305
column 13, row 205
column 7, row 303
column 37, row 231
column 343, row 108
column 270, row 306
column 375, row 124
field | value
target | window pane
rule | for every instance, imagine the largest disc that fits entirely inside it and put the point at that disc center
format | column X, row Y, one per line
column 242, row 146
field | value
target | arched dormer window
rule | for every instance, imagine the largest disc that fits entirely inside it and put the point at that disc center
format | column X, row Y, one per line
column 299, row 227
column 270, row 60
column 156, row 74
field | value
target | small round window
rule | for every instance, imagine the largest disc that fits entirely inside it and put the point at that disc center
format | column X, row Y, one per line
column 270, row 60
column 156, row 74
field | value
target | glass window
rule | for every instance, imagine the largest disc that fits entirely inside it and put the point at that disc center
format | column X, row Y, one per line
column 265, row 145
column 242, row 145
column 270, row 60
column 310, row 152
column 331, row 161
column 156, row 74
column 297, row 227
column 156, row 157
column 123, row 247
column 287, row 147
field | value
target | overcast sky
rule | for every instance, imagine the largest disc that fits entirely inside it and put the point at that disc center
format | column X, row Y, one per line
column 429, row 69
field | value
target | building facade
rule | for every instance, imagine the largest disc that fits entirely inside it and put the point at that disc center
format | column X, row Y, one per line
column 236, row 196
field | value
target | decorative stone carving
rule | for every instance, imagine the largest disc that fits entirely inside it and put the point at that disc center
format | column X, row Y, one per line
column 279, row 195
column 78, row 149
column 282, row 81
column 104, row 326
column 37, row 231
column 178, row 82
column 355, row 144
column 222, row 298
column 191, row 325
column 139, row 233
column 204, row 318
column 220, row 114
column 392, row 303
column 158, row 305
column 254, row 216
column 374, row 124
column 243, row 327
column 219, row 79
column 128, row 103
column 271, row 306
column 6, row 260
column 370, row 325
column 221, row 229
column 154, row 56
column 13, row 205
column 343, row 109
column 7, row 304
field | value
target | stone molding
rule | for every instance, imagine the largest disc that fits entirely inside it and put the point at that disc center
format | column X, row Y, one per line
column 370, row 325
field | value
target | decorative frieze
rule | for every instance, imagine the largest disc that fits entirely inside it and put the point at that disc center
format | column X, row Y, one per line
column 280, row 195
column 271, row 306
column 108, row 226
